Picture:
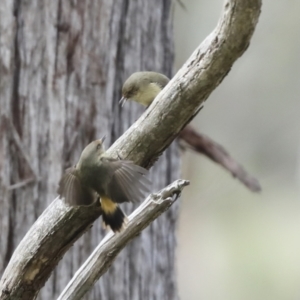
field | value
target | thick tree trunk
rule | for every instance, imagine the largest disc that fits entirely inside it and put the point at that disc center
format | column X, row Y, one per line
column 62, row 64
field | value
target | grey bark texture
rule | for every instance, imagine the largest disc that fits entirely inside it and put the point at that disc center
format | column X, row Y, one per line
column 103, row 256
column 62, row 65
column 78, row 103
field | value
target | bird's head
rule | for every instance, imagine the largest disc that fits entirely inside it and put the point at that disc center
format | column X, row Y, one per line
column 143, row 87
column 91, row 153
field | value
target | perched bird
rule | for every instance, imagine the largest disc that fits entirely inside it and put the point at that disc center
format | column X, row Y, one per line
column 143, row 87
column 115, row 181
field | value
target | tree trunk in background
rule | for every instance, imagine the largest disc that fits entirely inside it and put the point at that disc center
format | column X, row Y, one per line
column 62, row 64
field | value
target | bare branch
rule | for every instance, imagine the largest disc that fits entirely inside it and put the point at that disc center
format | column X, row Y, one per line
column 183, row 96
column 21, row 184
column 205, row 145
column 21, row 148
column 45, row 243
column 43, row 246
column 104, row 255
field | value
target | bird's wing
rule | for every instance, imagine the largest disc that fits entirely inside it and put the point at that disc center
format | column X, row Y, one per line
column 128, row 182
column 162, row 81
column 71, row 189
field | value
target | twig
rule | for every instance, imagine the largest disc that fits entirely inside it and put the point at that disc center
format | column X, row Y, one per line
column 59, row 226
column 21, row 148
column 104, row 255
column 205, row 145
column 21, row 184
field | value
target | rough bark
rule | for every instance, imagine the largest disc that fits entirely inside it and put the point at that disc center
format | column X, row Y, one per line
column 135, row 275
column 61, row 68
column 105, row 253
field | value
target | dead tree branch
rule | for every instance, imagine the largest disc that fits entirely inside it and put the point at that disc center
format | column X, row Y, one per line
column 104, row 255
column 59, row 226
column 217, row 153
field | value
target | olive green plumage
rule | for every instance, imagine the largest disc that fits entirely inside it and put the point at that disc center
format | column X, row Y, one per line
column 115, row 181
column 143, row 87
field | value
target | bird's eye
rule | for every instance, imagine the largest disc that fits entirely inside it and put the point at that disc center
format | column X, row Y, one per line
column 99, row 146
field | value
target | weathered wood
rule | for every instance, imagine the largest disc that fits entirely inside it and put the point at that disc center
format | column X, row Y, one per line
column 62, row 64
column 73, row 99
column 105, row 253
column 182, row 97
column 217, row 153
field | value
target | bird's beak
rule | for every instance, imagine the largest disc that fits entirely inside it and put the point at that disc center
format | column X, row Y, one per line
column 122, row 101
column 103, row 139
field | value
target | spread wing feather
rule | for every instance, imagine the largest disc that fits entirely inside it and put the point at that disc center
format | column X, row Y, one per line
column 126, row 176
column 128, row 186
column 144, row 182
column 128, row 183
column 70, row 188
column 137, row 175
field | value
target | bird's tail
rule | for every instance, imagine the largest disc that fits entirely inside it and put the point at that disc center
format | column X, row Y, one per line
column 112, row 215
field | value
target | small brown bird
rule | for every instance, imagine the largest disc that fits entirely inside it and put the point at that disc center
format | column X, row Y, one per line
column 115, row 181
column 143, row 87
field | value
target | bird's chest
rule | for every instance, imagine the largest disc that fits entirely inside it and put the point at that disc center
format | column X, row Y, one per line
column 146, row 96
